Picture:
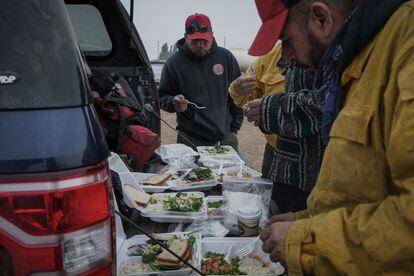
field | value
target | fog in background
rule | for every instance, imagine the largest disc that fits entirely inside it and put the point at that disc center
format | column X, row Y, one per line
column 235, row 22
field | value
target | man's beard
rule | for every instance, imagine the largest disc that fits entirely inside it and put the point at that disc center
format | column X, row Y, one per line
column 316, row 50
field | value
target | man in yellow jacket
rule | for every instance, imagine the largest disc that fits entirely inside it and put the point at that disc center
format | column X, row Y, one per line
column 360, row 215
column 264, row 78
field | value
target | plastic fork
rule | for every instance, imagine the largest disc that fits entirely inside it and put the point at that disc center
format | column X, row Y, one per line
column 196, row 106
column 247, row 249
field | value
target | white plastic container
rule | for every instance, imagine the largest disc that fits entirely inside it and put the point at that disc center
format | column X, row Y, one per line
column 222, row 246
column 215, row 212
column 206, row 151
column 174, row 151
column 116, row 163
column 142, row 239
column 215, row 161
column 127, row 178
column 156, row 213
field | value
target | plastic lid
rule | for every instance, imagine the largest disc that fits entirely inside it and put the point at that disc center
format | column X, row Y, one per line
column 248, row 212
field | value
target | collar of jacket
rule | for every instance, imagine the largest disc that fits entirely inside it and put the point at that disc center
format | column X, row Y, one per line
column 183, row 48
column 360, row 33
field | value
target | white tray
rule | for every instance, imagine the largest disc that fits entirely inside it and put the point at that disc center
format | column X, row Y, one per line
column 150, row 188
column 141, row 239
column 155, row 212
column 221, row 245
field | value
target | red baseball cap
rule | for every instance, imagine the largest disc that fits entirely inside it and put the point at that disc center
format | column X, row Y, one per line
column 198, row 26
column 273, row 14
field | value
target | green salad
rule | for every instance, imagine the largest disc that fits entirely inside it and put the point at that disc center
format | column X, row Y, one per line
column 215, row 204
column 219, row 150
column 199, row 174
column 215, row 264
column 182, row 202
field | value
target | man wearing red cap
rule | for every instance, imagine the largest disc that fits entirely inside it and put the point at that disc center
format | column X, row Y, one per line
column 201, row 72
column 360, row 215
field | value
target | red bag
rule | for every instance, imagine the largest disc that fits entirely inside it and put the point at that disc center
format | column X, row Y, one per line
column 140, row 142
column 123, row 118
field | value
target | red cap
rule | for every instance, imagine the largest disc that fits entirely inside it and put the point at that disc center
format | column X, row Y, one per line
column 273, row 14
column 198, row 26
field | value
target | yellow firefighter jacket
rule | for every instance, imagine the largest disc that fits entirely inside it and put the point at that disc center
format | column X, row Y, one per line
column 269, row 81
column 360, row 216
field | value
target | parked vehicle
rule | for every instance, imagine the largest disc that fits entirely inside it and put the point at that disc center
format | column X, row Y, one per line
column 56, row 205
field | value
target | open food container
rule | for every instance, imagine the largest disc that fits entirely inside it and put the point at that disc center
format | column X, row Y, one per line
column 181, row 207
column 237, row 171
column 215, row 206
column 216, row 150
column 200, row 179
column 226, row 161
column 117, row 164
column 256, row 263
column 140, row 177
column 139, row 256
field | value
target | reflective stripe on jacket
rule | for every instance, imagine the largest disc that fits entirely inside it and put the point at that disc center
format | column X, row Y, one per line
column 270, row 81
column 360, row 216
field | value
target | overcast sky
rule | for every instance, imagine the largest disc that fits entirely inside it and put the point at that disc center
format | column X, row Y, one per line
column 160, row 21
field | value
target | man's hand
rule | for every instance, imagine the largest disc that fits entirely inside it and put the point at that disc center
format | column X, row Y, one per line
column 274, row 237
column 252, row 111
column 180, row 103
column 289, row 216
column 245, row 85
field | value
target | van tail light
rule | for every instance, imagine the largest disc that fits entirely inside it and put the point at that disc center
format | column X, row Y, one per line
column 66, row 216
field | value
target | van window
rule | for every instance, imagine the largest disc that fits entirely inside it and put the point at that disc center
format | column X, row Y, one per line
column 90, row 30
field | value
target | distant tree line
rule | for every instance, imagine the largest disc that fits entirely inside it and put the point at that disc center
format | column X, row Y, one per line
column 166, row 51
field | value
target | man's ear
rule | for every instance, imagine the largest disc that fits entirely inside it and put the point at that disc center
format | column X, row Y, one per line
column 321, row 21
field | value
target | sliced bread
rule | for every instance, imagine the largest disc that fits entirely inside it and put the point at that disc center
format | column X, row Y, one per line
column 178, row 246
column 141, row 198
column 156, row 180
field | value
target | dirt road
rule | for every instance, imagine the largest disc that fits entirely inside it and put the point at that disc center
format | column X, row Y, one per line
column 251, row 140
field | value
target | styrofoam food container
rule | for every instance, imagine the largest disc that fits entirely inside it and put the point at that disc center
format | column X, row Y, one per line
column 214, row 198
column 155, row 212
column 176, row 185
column 172, row 151
column 127, row 178
column 150, row 188
column 215, row 161
column 141, row 239
column 116, row 163
column 222, row 246
column 204, row 151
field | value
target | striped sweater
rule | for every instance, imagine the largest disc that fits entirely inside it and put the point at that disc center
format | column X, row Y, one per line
column 296, row 117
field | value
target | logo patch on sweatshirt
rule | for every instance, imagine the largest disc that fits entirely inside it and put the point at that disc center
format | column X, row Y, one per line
column 218, row 69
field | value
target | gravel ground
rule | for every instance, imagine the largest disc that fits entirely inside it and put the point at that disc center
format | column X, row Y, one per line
column 251, row 140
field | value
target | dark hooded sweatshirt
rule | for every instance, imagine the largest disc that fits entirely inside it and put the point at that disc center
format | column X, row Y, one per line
column 204, row 81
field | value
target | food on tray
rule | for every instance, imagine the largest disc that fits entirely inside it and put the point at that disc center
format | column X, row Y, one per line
column 183, row 202
column 199, row 174
column 141, row 198
column 215, row 204
column 156, row 180
column 253, row 265
column 155, row 258
column 181, row 248
column 218, row 149
column 215, row 264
